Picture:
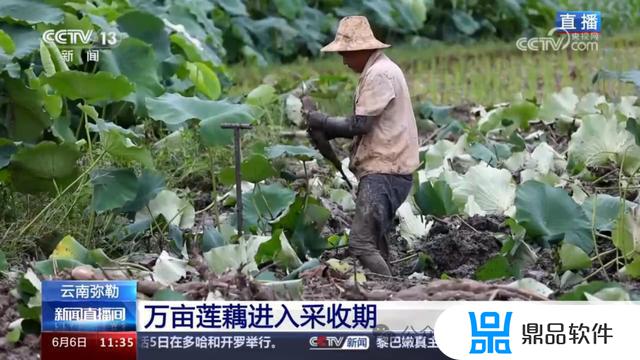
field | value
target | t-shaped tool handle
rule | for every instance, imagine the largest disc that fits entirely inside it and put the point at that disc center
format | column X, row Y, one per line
column 238, row 163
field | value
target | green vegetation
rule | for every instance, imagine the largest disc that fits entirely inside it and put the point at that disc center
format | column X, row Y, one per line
column 119, row 168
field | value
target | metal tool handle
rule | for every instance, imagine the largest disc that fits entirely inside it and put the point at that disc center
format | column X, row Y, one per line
column 238, row 163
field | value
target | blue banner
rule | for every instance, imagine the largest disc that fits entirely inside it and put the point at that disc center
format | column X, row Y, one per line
column 88, row 316
column 89, row 305
column 579, row 21
column 72, row 290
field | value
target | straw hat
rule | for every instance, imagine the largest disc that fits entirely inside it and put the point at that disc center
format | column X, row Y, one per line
column 354, row 33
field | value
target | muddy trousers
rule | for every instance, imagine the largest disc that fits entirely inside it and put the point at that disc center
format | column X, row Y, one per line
column 378, row 198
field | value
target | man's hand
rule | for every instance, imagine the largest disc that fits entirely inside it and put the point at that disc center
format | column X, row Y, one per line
column 317, row 120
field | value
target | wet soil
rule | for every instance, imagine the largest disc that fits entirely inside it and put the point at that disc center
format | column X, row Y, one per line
column 26, row 349
column 459, row 247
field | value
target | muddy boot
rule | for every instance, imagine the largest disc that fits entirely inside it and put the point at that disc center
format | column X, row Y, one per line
column 375, row 263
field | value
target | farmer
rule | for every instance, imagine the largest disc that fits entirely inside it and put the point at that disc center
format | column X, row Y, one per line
column 384, row 152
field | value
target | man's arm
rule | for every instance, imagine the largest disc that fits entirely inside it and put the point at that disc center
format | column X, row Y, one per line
column 346, row 127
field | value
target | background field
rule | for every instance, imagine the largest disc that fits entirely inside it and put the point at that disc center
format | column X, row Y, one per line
column 485, row 73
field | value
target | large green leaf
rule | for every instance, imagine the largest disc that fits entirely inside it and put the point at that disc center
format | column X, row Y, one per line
column 99, row 257
column 486, row 190
column 632, row 269
column 436, row 199
column 176, row 211
column 233, row 7
column 464, row 22
column 303, row 226
column 235, row 256
column 606, row 210
column 300, row 152
column 70, row 248
column 35, row 169
column 609, row 294
column 150, row 183
column 254, row 169
column 481, row 152
column 148, row 28
column 265, row 204
column 289, row 8
column 497, row 267
column 308, row 265
column 48, row 66
column 91, row 87
column 560, row 105
column 262, row 95
column 578, row 293
column 52, row 103
column 7, row 149
column 9, row 67
column 441, row 115
column 168, row 269
column 112, row 188
column 589, row 104
column 30, row 11
column 212, row 238
column 550, row 214
column 600, row 140
column 205, row 80
column 416, row 12
column 194, row 21
column 443, row 151
column 52, row 267
column 626, row 106
column 191, row 51
column 105, row 126
column 412, row 227
column 212, row 135
column 626, row 234
column 634, row 128
column 175, row 109
column 279, row 251
column 380, row 11
column 271, row 33
column 6, row 43
column 27, row 118
column 312, row 26
column 343, row 198
column 25, row 39
column 121, row 147
column 573, row 258
column 520, row 112
column 142, row 72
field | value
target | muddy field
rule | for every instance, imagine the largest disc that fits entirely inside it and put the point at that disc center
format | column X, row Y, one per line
column 455, row 248
column 29, row 347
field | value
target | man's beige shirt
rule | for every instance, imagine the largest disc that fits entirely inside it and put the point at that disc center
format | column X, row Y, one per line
column 391, row 147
